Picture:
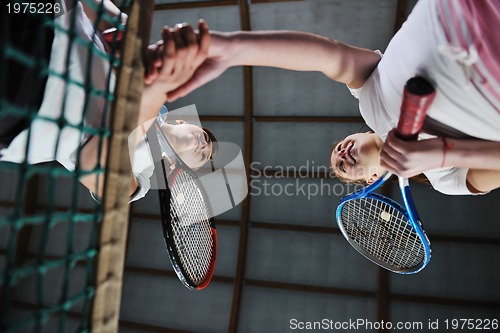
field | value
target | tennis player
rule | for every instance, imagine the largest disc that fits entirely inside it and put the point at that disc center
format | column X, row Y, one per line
column 363, row 157
column 193, row 145
column 170, row 63
column 453, row 43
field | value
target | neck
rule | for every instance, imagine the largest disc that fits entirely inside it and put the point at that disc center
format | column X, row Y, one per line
column 379, row 143
column 169, row 132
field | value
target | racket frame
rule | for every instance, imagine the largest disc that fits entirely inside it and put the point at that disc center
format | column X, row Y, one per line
column 418, row 95
column 165, row 200
column 409, row 213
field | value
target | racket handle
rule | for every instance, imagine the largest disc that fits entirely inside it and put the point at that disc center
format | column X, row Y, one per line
column 417, row 97
column 109, row 35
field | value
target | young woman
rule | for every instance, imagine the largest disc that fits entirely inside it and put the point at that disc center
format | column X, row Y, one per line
column 363, row 157
column 170, row 63
column 192, row 144
column 451, row 43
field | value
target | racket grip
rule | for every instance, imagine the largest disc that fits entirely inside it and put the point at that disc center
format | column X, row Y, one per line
column 109, row 35
column 417, row 97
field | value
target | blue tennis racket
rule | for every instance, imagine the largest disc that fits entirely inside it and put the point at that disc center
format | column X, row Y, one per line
column 384, row 231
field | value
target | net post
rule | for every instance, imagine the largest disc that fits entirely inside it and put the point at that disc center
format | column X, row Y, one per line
column 113, row 234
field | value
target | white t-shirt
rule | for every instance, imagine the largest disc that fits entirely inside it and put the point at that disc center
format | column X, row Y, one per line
column 414, row 50
column 48, row 142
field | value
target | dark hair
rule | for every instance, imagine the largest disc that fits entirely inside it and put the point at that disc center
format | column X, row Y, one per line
column 213, row 140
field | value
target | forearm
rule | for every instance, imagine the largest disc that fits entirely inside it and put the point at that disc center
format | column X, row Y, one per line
column 153, row 97
column 410, row 158
column 472, row 154
column 482, row 158
column 298, row 51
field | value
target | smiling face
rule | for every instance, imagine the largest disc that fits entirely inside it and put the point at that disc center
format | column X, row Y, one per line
column 191, row 143
column 357, row 158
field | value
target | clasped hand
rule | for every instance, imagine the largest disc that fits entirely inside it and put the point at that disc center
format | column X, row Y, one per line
column 410, row 158
column 172, row 61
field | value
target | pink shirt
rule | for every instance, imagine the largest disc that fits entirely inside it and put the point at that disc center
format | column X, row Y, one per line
column 472, row 26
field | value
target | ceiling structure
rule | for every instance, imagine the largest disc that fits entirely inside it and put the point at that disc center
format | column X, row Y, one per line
column 281, row 258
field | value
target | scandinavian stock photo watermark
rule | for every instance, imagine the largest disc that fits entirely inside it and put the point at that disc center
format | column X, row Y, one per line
column 175, row 143
column 308, row 180
column 177, row 140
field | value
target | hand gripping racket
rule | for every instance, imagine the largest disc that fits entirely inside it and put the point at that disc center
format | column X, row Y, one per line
column 188, row 226
column 379, row 228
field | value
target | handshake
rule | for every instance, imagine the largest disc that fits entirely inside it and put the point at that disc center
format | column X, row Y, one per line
column 182, row 60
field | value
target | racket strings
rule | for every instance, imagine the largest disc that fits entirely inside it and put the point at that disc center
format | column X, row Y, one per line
column 382, row 231
column 192, row 231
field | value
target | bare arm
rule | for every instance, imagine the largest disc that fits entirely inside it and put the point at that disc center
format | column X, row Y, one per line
column 473, row 154
column 291, row 50
column 481, row 157
column 302, row 51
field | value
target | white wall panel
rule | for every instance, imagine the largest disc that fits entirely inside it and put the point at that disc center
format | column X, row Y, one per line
column 472, row 216
column 463, row 271
column 430, row 314
column 310, row 202
column 271, row 310
column 307, row 258
column 163, row 301
column 361, row 23
column 299, row 145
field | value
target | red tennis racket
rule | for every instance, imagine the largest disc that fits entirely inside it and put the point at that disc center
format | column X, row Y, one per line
column 188, row 227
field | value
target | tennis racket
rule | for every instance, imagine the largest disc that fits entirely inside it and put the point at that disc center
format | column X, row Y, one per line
column 188, row 228
column 109, row 35
column 385, row 232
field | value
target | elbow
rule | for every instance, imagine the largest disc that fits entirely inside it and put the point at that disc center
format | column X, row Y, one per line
column 483, row 181
column 134, row 187
column 475, row 189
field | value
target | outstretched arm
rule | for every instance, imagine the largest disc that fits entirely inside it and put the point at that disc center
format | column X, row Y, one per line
column 291, row 50
column 481, row 157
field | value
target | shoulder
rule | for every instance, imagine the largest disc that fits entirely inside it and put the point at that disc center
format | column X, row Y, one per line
column 355, row 89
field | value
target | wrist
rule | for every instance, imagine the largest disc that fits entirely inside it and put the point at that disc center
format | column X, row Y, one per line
column 460, row 153
column 153, row 97
column 223, row 45
column 447, row 146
